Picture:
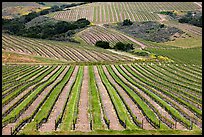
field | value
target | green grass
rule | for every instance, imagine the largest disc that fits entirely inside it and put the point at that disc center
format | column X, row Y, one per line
column 69, row 115
column 185, row 56
column 189, row 42
column 149, row 112
column 12, row 95
column 144, row 82
column 126, row 89
column 25, row 102
column 32, row 73
column 95, row 102
column 123, row 132
column 180, row 87
column 121, row 111
column 49, row 103
column 162, row 103
column 190, row 106
column 40, row 114
column 15, row 83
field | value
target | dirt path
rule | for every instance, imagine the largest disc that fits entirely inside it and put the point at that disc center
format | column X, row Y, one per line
column 34, row 105
column 58, row 107
column 162, row 18
column 108, row 106
column 83, row 123
column 125, row 54
column 136, row 111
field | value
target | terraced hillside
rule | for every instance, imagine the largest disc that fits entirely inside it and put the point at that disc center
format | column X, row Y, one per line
column 96, row 33
column 63, row 51
column 64, row 88
column 38, row 99
column 109, row 12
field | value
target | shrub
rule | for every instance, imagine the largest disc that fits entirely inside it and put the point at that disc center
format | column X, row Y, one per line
column 163, row 58
column 127, row 22
column 170, row 13
column 142, row 53
column 123, row 47
column 192, row 18
column 103, row 44
column 83, row 22
column 31, row 16
column 44, row 12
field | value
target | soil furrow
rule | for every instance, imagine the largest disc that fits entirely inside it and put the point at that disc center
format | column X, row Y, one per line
column 108, row 106
column 136, row 111
column 58, row 107
column 83, row 123
column 33, row 106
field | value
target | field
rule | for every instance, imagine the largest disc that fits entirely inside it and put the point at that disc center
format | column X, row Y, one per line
column 180, row 55
column 111, row 12
column 62, row 51
column 75, row 88
column 116, row 97
column 14, row 9
column 96, row 33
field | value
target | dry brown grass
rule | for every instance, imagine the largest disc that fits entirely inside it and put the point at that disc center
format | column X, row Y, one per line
column 16, row 58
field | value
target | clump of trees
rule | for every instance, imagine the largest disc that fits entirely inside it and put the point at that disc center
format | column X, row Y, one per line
column 127, row 22
column 142, row 53
column 103, row 44
column 192, row 18
column 123, row 46
column 170, row 13
column 118, row 46
column 57, row 31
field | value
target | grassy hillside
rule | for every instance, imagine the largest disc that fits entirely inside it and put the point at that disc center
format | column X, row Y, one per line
column 187, row 56
column 52, row 85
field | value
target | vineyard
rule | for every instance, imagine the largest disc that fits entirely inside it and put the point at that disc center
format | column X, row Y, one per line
column 108, row 97
column 70, row 85
column 110, row 12
column 96, row 33
column 59, row 50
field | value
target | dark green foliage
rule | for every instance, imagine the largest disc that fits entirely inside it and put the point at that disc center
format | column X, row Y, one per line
column 81, row 23
column 41, row 3
column 142, row 53
column 127, row 22
column 12, row 26
column 103, row 44
column 161, row 25
column 63, row 26
column 192, row 18
column 170, row 13
column 44, row 12
column 61, row 30
column 30, row 16
column 55, row 8
column 123, row 46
